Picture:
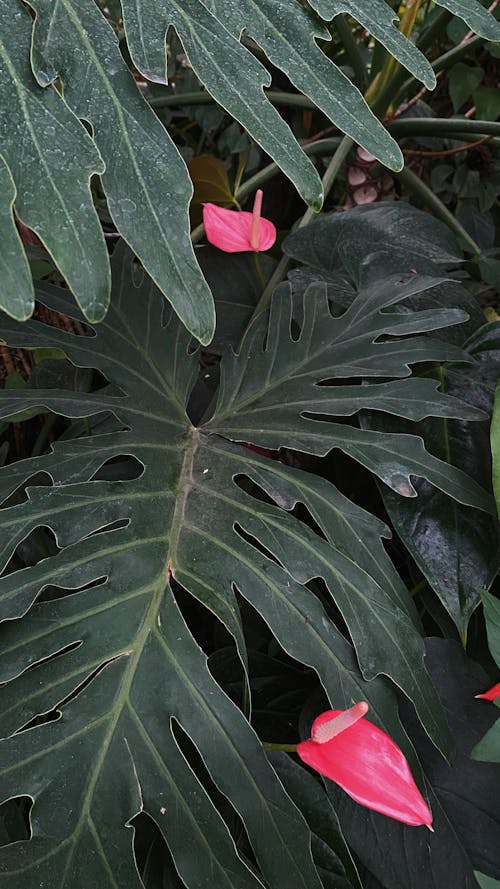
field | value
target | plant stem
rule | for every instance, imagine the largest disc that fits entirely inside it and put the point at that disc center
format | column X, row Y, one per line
column 258, row 267
column 202, row 97
column 453, row 127
column 352, row 52
column 286, row 748
column 434, row 31
column 414, row 184
column 328, row 180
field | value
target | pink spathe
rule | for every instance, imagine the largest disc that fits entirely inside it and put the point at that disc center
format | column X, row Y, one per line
column 237, row 231
column 492, row 694
column 366, row 763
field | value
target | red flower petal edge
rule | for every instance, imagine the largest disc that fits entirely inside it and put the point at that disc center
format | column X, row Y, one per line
column 492, row 694
column 237, row 231
column 367, row 764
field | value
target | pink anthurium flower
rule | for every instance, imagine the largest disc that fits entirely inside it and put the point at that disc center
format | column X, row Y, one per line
column 492, row 694
column 366, row 763
column 236, row 231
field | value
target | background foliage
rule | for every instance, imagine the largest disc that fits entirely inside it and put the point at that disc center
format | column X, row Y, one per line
column 203, row 546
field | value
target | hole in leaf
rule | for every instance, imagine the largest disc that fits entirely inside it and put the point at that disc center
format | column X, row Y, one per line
column 112, row 526
column 122, row 468
column 153, row 857
column 257, row 544
column 39, row 544
column 15, row 824
column 223, row 805
column 62, row 318
column 56, row 654
column 249, row 486
column 205, row 627
column 20, row 494
column 52, row 593
column 55, row 713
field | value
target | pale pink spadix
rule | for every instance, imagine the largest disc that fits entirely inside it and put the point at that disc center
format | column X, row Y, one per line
column 325, row 731
column 366, row 763
column 238, row 231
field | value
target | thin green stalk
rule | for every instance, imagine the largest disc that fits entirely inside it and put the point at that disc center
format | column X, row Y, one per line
column 415, row 185
column 391, row 65
column 202, row 97
column 453, row 127
column 352, row 52
column 286, row 748
column 332, row 171
column 258, row 268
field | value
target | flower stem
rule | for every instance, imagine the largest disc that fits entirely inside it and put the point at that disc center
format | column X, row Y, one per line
column 258, row 268
column 286, row 748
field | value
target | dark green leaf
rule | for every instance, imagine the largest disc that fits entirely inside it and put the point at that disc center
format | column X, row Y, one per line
column 463, row 80
column 375, row 240
column 48, row 158
column 309, row 796
column 146, row 182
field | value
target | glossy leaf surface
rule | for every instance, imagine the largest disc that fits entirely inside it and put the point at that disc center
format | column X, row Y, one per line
column 144, row 177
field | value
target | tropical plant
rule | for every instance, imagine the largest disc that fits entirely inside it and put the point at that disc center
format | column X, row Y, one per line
column 197, row 558
column 117, row 708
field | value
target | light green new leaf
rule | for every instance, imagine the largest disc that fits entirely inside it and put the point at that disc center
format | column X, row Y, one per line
column 146, row 181
column 195, row 514
column 50, row 159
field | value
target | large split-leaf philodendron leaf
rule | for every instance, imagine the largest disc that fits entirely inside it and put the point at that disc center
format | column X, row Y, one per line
column 106, row 650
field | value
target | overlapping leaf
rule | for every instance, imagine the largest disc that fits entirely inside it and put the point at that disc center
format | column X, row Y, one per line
column 47, row 157
column 196, row 514
column 46, row 161
column 146, row 182
column 287, row 33
column 457, row 549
